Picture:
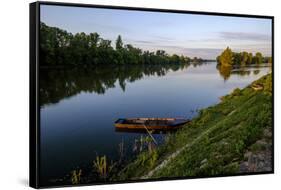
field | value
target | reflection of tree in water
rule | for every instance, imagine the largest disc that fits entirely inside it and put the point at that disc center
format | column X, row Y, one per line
column 227, row 71
column 57, row 84
column 256, row 72
column 224, row 71
column 241, row 70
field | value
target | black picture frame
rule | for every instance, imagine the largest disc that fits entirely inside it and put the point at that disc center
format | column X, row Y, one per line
column 34, row 102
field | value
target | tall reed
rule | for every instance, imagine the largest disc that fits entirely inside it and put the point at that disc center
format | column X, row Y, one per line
column 76, row 176
column 100, row 165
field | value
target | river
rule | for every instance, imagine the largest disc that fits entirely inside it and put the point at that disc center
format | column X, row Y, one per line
column 78, row 107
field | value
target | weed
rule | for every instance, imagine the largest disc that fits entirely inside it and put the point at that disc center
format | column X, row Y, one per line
column 76, row 176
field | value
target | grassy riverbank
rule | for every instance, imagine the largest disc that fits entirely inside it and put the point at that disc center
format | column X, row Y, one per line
column 223, row 139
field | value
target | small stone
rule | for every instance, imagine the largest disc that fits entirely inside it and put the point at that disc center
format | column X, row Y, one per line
column 244, row 167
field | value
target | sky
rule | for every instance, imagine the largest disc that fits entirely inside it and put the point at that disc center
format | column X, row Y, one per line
column 191, row 35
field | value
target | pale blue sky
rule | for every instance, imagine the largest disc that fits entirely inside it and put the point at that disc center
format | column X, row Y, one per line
column 188, row 34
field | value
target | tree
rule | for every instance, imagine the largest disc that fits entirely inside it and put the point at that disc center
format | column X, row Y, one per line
column 250, row 59
column 226, row 58
column 258, row 58
column 119, row 43
column 237, row 58
column 58, row 47
column 270, row 60
column 245, row 57
column 94, row 39
column 175, row 59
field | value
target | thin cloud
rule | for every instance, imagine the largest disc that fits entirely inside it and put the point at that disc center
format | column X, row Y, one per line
column 244, row 36
column 143, row 41
column 206, row 53
column 163, row 38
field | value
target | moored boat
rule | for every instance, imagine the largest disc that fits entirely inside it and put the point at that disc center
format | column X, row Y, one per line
column 257, row 86
column 150, row 123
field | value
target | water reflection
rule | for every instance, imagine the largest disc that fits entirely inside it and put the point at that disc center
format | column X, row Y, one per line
column 226, row 71
column 57, row 84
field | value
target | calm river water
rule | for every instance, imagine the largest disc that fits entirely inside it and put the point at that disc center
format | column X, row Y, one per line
column 79, row 107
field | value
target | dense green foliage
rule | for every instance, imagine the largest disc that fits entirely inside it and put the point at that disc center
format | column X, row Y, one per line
column 59, row 47
column 215, row 142
column 226, row 57
column 229, row 58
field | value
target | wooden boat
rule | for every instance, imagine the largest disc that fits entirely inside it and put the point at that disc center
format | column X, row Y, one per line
column 257, row 86
column 150, row 123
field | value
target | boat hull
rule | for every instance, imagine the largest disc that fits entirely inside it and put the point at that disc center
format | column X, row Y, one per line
column 150, row 123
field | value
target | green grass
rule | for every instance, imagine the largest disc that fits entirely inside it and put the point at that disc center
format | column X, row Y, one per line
column 215, row 141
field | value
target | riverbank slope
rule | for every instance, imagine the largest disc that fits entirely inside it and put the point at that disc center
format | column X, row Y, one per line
column 231, row 137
